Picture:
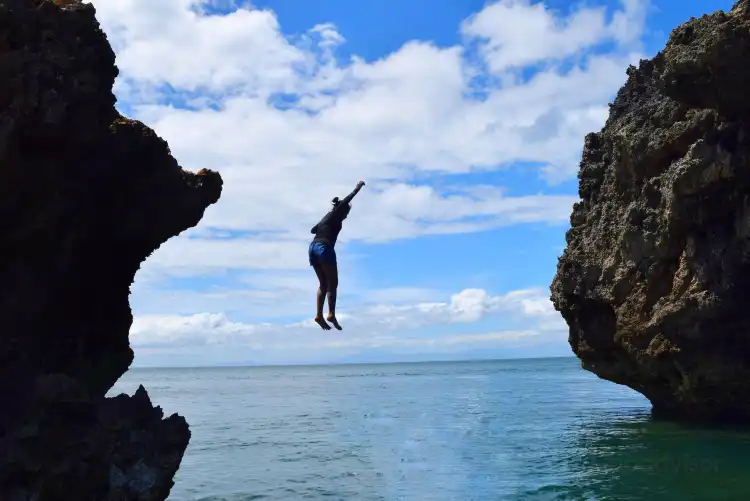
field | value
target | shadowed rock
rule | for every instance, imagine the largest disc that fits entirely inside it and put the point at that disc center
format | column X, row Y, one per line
column 85, row 196
column 654, row 280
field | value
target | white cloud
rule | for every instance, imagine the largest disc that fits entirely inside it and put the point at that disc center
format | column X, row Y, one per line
column 290, row 125
column 168, row 42
column 400, row 212
column 377, row 326
column 517, row 33
column 411, row 111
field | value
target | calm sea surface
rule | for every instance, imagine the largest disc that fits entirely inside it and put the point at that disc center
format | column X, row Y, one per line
column 500, row 430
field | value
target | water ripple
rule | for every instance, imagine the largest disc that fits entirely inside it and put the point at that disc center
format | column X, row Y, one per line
column 516, row 430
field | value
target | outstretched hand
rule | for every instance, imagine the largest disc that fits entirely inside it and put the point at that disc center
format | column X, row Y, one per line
column 360, row 184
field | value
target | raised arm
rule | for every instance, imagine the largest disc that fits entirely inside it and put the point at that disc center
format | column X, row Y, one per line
column 350, row 196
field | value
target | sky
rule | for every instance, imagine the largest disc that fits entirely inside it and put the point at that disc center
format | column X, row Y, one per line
column 465, row 118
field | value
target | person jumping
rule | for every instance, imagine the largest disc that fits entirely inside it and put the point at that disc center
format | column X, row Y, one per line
column 323, row 256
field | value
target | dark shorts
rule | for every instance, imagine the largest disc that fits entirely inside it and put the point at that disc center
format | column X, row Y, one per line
column 321, row 252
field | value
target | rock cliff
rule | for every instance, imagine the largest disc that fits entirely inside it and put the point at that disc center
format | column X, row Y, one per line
column 85, row 196
column 656, row 274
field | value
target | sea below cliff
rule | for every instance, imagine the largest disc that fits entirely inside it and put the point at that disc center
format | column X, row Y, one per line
column 541, row 429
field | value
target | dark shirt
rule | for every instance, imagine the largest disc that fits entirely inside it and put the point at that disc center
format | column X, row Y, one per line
column 329, row 227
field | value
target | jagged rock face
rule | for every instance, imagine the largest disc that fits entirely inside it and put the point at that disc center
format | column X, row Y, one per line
column 71, row 446
column 654, row 280
column 86, row 195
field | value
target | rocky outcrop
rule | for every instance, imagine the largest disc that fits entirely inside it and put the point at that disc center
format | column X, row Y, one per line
column 656, row 274
column 85, row 196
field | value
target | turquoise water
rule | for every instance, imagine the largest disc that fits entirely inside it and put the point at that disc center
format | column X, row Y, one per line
column 500, row 430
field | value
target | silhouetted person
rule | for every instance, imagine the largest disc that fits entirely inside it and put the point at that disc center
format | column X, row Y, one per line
column 323, row 256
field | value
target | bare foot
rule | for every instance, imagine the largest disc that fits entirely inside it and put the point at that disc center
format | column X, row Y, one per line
column 333, row 320
column 322, row 323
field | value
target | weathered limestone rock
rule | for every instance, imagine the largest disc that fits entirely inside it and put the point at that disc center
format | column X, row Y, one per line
column 85, row 196
column 655, row 278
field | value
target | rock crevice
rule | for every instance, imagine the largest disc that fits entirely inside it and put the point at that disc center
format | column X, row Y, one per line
column 654, row 277
column 86, row 196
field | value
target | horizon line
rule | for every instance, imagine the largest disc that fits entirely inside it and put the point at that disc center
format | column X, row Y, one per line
column 250, row 365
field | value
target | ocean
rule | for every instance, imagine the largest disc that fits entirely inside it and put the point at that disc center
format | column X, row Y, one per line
column 541, row 429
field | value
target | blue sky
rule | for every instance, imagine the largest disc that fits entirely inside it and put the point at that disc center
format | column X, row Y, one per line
column 465, row 118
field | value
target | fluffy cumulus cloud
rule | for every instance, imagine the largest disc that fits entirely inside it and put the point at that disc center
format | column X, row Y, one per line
column 518, row 33
column 289, row 124
column 381, row 326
